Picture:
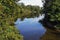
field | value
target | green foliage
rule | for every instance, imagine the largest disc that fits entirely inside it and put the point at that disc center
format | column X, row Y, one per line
column 9, row 12
column 9, row 33
column 35, row 10
column 7, row 29
column 52, row 11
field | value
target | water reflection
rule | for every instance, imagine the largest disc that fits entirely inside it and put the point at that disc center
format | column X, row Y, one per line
column 36, row 19
column 30, row 28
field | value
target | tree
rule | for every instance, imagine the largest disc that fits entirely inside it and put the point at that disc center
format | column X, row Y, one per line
column 52, row 14
column 7, row 30
column 9, row 12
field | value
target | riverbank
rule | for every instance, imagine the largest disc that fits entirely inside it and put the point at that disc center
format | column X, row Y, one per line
column 51, row 35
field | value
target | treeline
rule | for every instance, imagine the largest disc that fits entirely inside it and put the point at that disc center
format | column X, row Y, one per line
column 9, row 12
column 29, row 11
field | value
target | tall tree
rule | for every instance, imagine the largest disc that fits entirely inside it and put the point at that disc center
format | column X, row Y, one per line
column 52, row 14
column 7, row 30
column 9, row 12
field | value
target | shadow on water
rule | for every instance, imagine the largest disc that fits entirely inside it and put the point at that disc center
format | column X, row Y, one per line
column 30, row 28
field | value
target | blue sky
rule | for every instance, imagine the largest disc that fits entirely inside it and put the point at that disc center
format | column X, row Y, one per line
column 32, row 2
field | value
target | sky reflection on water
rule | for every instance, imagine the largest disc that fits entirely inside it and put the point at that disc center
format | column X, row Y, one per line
column 30, row 28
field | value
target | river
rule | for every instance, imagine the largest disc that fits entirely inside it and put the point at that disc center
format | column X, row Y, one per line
column 30, row 28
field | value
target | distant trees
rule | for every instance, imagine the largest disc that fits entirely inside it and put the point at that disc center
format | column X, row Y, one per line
column 35, row 10
column 52, row 13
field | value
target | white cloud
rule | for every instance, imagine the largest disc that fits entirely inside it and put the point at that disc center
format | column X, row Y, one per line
column 32, row 2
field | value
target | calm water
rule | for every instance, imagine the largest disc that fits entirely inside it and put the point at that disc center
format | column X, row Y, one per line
column 30, row 28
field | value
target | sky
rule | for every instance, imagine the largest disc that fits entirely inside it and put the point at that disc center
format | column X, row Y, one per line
column 32, row 2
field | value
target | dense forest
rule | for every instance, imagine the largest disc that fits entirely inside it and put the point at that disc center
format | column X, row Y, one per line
column 52, row 14
column 10, row 10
